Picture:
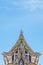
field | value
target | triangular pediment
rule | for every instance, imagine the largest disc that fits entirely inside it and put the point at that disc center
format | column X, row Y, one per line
column 21, row 53
column 20, row 43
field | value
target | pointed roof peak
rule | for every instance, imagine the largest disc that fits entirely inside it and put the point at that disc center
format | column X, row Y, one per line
column 21, row 35
column 21, row 31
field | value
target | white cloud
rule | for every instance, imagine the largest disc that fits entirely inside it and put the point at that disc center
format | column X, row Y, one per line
column 33, row 4
column 27, row 4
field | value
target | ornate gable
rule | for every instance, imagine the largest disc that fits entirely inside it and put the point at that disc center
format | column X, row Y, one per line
column 21, row 43
column 21, row 53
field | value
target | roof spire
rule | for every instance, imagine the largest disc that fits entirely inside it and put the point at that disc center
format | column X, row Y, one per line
column 21, row 35
column 21, row 32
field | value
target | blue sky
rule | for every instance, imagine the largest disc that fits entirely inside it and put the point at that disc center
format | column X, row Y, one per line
column 21, row 14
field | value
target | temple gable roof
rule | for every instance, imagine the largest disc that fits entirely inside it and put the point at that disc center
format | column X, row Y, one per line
column 21, row 40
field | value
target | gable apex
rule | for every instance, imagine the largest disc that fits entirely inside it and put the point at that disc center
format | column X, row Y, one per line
column 21, row 35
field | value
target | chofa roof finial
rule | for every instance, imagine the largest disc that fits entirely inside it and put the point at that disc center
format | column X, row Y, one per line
column 21, row 35
column 21, row 31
